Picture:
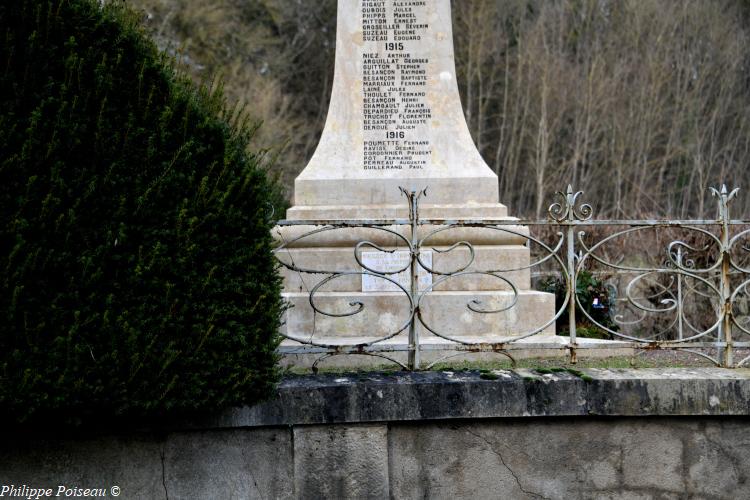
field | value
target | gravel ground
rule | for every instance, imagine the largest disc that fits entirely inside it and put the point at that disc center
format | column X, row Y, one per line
column 642, row 359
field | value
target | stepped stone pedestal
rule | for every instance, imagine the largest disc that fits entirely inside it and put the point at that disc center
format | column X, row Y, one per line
column 395, row 121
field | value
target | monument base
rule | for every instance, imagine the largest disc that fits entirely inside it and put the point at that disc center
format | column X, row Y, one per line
column 336, row 303
column 342, row 260
column 316, row 236
column 447, row 313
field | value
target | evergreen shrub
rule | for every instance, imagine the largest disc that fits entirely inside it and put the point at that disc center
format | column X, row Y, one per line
column 136, row 278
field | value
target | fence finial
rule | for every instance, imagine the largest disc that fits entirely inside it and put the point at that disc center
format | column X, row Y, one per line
column 724, row 197
column 569, row 209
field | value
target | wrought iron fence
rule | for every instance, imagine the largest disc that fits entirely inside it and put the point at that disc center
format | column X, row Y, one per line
column 640, row 284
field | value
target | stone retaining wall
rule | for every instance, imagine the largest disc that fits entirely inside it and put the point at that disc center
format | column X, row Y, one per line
column 605, row 434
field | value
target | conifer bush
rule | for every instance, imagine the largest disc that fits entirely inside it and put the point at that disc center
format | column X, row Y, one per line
column 136, row 277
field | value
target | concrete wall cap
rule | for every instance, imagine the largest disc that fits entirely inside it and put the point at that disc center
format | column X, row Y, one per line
column 521, row 393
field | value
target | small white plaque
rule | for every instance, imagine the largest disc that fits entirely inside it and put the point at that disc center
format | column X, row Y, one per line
column 388, row 262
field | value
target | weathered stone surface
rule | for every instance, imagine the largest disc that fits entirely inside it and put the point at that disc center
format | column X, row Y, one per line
column 522, row 436
column 297, row 235
column 588, row 458
column 341, row 461
column 487, row 258
column 373, row 397
column 229, row 464
column 651, row 458
column 573, row 458
column 131, row 462
column 446, row 312
column 715, row 458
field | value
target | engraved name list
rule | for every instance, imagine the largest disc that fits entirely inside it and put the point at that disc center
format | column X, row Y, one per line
column 394, row 79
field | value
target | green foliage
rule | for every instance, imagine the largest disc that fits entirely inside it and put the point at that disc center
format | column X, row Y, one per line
column 572, row 371
column 136, row 277
column 590, row 291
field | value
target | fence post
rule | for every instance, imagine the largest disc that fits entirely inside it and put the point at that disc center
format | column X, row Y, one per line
column 724, row 197
column 680, row 305
column 414, row 361
column 569, row 213
column 572, row 283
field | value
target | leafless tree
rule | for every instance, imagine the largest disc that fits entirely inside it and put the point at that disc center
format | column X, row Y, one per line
column 642, row 103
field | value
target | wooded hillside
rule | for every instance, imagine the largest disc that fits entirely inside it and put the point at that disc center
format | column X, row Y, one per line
column 641, row 103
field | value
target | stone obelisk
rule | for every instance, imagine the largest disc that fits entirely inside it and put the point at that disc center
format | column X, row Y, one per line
column 395, row 121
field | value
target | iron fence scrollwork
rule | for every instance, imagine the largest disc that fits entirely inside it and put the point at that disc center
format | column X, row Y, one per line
column 686, row 292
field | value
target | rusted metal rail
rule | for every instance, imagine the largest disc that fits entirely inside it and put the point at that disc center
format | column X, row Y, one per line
column 693, row 297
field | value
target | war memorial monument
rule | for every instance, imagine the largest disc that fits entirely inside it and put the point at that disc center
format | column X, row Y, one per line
column 395, row 130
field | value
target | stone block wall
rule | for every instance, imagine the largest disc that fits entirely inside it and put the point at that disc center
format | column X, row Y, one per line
column 691, row 443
